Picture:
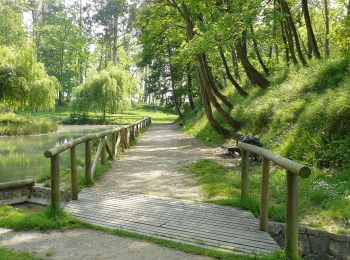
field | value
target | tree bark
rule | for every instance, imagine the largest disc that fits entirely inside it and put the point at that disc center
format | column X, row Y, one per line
column 326, row 11
column 115, row 41
column 235, row 64
column 286, row 48
column 257, row 52
column 293, row 29
column 254, row 76
column 189, row 89
column 145, row 92
column 176, row 104
column 310, row 31
column 229, row 75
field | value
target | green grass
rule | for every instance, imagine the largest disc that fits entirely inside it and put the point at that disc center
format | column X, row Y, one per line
column 158, row 114
column 10, row 254
column 323, row 199
column 13, row 124
column 47, row 219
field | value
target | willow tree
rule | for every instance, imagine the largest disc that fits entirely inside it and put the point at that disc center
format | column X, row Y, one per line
column 104, row 91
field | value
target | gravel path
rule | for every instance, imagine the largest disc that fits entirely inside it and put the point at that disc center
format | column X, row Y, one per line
column 89, row 245
column 153, row 165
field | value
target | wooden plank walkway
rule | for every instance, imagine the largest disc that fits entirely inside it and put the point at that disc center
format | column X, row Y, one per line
column 192, row 222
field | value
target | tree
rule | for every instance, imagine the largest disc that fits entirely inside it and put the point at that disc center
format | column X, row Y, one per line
column 310, row 31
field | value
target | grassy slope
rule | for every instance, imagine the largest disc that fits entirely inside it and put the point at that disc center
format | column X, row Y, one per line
column 305, row 115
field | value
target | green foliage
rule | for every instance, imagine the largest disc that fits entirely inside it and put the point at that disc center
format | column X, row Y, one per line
column 104, row 91
column 321, row 195
column 11, row 24
column 341, row 35
column 24, row 82
column 12, row 124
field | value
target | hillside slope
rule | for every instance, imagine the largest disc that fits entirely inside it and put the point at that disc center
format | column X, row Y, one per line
column 304, row 115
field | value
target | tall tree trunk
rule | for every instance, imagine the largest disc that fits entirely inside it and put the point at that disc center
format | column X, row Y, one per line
column 229, row 75
column 235, row 64
column 211, row 79
column 293, row 29
column 145, row 92
column 189, row 89
column 254, row 76
column 201, row 76
column 286, row 48
column 310, row 31
column 326, row 12
column 80, row 61
column 290, row 43
column 115, row 41
column 257, row 52
column 176, row 104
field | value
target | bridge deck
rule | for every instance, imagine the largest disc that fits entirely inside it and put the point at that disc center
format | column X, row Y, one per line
column 192, row 222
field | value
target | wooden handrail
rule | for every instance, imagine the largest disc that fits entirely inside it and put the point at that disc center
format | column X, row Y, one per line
column 293, row 171
column 119, row 136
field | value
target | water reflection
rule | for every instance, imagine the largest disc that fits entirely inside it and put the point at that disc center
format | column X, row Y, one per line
column 22, row 157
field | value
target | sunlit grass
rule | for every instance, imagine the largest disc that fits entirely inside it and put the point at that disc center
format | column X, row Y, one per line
column 324, row 196
column 10, row 254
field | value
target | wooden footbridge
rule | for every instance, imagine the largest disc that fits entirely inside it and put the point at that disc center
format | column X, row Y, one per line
column 191, row 222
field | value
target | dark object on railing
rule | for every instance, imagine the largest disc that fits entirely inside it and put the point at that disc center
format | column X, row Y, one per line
column 120, row 136
column 293, row 171
column 234, row 149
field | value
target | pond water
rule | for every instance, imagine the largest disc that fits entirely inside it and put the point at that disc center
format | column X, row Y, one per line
column 22, row 157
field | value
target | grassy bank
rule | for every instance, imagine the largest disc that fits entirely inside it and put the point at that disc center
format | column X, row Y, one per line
column 13, row 124
column 304, row 115
column 158, row 114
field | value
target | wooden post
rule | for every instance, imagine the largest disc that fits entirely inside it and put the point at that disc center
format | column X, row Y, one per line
column 114, row 142
column 103, row 151
column 292, row 216
column 73, row 172
column 264, row 212
column 88, row 177
column 55, row 182
column 244, row 174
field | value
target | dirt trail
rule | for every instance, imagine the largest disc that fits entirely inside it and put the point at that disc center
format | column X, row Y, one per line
column 153, row 165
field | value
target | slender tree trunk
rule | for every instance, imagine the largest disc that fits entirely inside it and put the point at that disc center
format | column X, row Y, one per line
column 176, row 104
column 326, row 11
column 235, row 64
column 286, row 48
column 115, row 41
column 80, row 61
column 254, row 76
column 293, row 29
column 212, row 83
column 229, row 75
column 257, row 52
column 145, row 93
column 201, row 73
column 290, row 43
column 189, row 89
column 310, row 31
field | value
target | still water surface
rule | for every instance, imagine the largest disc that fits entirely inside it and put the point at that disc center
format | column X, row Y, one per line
column 22, row 157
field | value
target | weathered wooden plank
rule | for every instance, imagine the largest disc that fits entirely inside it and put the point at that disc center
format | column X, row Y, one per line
column 172, row 202
column 234, row 222
column 241, row 235
column 164, row 232
column 188, row 223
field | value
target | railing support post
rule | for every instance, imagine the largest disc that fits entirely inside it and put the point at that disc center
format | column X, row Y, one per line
column 264, row 209
column 292, row 216
column 55, row 182
column 244, row 174
column 103, row 151
column 114, row 143
column 73, row 171
column 88, row 177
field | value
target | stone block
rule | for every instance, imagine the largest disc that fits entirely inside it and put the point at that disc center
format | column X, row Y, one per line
column 319, row 244
column 340, row 249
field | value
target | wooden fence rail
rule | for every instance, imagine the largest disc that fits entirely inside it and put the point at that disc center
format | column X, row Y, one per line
column 120, row 136
column 293, row 171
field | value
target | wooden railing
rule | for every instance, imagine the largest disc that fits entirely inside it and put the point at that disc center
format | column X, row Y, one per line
column 120, row 136
column 293, row 171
